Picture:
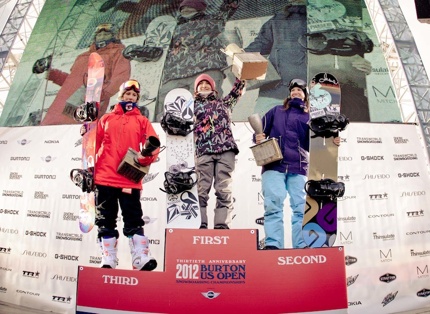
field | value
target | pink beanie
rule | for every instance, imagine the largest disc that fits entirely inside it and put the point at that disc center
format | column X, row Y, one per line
column 204, row 77
column 199, row 5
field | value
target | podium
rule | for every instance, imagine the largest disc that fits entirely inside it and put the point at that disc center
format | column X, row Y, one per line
column 221, row 271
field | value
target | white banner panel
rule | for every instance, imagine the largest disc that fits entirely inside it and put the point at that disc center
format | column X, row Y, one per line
column 382, row 218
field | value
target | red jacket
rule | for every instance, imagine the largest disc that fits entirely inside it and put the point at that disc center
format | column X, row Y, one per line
column 116, row 132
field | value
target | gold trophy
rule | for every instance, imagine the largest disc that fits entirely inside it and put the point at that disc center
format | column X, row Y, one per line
column 268, row 150
column 130, row 167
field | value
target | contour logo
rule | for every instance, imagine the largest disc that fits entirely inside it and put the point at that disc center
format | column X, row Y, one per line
column 210, row 294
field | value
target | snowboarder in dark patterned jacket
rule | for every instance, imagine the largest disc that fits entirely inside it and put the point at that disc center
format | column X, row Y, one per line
column 195, row 48
column 215, row 147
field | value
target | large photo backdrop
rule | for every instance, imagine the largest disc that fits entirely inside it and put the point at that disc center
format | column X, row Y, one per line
column 154, row 43
column 382, row 218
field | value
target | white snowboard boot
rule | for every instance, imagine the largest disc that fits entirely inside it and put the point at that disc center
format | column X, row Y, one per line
column 109, row 249
column 139, row 253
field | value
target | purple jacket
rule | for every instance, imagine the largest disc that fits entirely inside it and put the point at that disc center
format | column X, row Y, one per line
column 290, row 127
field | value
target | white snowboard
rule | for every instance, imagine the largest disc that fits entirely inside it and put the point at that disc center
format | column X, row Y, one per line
column 183, row 209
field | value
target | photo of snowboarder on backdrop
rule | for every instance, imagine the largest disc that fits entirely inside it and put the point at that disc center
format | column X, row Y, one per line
column 72, row 91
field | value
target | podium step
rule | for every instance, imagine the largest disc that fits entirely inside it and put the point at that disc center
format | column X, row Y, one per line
column 221, row 271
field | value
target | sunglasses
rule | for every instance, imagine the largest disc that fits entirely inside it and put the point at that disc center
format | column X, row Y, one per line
column 132, row 84
column 297, row 83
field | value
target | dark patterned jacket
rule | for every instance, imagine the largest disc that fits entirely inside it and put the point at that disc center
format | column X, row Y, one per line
column 196, row 44
column 212, row 132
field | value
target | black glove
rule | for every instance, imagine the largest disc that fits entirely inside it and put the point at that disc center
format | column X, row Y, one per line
column 42, row 65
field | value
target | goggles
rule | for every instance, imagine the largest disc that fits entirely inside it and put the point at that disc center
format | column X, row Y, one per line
column 105, row 27
column 297, row 83
column 132, row 84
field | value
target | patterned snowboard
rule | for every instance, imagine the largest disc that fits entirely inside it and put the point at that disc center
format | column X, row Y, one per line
column 182, row 209
column 158, row 34
column 320, row 217
column 93, row 94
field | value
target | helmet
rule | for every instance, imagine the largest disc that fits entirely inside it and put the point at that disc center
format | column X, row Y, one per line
column 129, row 85
column 298, row 83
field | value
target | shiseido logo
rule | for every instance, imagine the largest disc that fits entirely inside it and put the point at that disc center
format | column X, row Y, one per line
column 387, row 278
column 3, row 142
column 64, row 278
column 349, row 260
column 34, row 254
column 9, row 230
column 376, row 176
column 120, row 280
column 413, row 193
column 351, row 280
column 389, row 298
column 405, row 157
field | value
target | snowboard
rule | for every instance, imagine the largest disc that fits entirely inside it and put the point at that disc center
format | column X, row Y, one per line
column 148, row 59
column 84, row 177
column 182, row 208
column 320, row 214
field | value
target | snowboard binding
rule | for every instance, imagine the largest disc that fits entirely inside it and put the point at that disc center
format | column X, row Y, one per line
column 325, row 189
column 84, row 179
column 87, row 112
column 178, row 182
column 142, row 53
column 329, row 125
column 173, row 124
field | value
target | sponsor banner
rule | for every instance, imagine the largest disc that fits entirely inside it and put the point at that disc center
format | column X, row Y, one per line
column 382, row 218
